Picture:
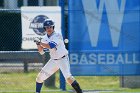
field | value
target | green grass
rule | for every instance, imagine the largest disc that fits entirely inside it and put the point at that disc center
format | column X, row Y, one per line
column 26, row 82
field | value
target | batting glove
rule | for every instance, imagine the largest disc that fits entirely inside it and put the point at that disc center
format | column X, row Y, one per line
column 37, row 40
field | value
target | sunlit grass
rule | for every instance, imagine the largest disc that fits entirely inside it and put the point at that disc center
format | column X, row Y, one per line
column 26, row 82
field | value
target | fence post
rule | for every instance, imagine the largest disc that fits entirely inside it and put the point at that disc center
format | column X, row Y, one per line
column 62, row 5
column 25, row 66
column 62, row 82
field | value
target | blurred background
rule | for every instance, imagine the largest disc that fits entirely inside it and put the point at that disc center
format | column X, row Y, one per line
column 99, row 62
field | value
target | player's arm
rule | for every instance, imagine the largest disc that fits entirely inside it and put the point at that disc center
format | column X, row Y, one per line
column 49, row 45
column 53, row 43
column 44, row 45
column 40, row 49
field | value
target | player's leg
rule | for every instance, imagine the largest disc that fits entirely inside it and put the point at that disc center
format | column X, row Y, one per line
column 71, row 80
column 65, row 68
column 49, row 69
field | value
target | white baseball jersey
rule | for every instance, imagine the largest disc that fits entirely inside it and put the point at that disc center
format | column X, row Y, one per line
column 60, row 50
column 58, row 57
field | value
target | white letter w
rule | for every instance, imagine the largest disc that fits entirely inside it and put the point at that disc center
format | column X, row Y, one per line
column 93, row 16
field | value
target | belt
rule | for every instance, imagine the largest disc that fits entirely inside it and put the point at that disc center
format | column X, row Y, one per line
column 61, row 57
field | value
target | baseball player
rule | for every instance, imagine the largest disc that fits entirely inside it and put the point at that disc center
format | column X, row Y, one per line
column 58, row 57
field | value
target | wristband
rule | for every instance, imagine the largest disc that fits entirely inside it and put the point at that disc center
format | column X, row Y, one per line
column 42, row 52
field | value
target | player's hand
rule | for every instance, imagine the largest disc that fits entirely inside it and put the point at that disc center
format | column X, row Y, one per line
column 37, row 40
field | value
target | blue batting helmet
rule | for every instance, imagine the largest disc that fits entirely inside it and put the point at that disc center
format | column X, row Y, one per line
column 48, row 22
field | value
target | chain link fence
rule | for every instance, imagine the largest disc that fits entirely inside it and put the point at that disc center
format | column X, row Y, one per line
column 18, row 67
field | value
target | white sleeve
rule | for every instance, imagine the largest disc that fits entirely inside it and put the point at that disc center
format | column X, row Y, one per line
column 57, row 39
column 45, row 40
